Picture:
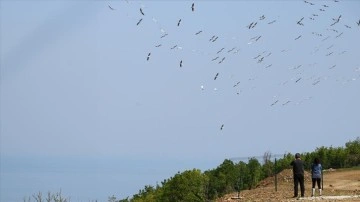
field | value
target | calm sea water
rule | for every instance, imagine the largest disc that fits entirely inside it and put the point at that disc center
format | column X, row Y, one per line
column 86, row 179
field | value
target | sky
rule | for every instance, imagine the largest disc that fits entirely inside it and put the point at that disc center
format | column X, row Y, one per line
column 174, row 87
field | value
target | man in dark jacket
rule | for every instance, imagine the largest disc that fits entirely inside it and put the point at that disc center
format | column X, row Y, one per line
column 298, row 171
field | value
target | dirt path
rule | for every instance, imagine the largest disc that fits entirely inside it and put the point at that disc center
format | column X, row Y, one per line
column 339, row 185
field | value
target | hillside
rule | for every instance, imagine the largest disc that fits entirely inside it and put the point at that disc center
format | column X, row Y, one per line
column 339, row 185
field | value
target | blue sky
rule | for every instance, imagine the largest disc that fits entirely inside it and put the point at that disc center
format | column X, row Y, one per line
column 76, row 82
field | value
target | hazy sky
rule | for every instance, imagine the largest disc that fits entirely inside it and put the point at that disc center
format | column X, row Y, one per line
column 75, row 79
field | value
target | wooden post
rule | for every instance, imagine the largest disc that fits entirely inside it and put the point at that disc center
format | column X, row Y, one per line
column 275, row 176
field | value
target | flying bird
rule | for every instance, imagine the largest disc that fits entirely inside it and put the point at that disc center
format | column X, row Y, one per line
column 193, row 7
column 180, row 63
column 249, row 26
column 178, row 24
column 297, row 37
column 164, row 35
column 148, row 57
column 222, row 126
column 141, row 11
column 217, row 74
column 358, row 23
column 286, row 102
column 157, row 46
column 215, row 58
column 300, row 22
column 274, row 103
column 222, row 60
column 111, row 8
column 139, row 22
column 220, row 50
column 215, row 39
column 198, row 32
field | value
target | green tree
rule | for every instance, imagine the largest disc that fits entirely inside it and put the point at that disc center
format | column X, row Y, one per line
column 353, row 152
column 254, row 168
column 187, row 186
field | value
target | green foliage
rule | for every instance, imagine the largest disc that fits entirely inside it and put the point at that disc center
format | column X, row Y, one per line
column 352, row 151
column 187, row 186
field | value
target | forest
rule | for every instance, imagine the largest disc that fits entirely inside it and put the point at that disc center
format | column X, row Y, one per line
column 195, row 185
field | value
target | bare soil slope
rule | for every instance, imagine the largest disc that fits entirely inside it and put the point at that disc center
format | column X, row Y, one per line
column 339, row 185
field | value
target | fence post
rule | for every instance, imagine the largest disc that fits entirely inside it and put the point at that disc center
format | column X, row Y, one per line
column 275, row 176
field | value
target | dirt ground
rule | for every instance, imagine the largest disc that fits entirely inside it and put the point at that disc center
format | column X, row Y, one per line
column 338, row 185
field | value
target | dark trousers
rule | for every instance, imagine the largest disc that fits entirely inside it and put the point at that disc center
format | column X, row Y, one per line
column 317, row 181
column 299, row 179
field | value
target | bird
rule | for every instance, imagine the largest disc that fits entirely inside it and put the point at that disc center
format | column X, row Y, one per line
column 298, row 80
column 236, row 84
column 164, row 35
column 215, row 39
column 111, row 8
column 181, row 63
column 193, row 7
column 250, row 25
column 217, row 74
column 222, row 126
column 173, row 47
column 254, row 25
column 215, row 58
column 297, row 37
column 157, row 46
column 358, row 23
column 178, row 24
column 148, row 57
column 231, row 50
column 256, row 57
column 286, row 102
column 300, row 21
column 262, row 17
column 198, row 32
column 141, row 11
column 316, row 82
column 222, row 60
column 329, row 53
column 139, row 22
column 271, row 22
column 274, row 103
column 339, row 35
column 220, row 50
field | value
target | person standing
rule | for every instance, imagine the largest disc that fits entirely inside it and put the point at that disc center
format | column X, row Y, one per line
column 298, row 172
column 316, row 170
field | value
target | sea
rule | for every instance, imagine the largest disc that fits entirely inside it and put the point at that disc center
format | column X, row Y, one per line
column 87, row 179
